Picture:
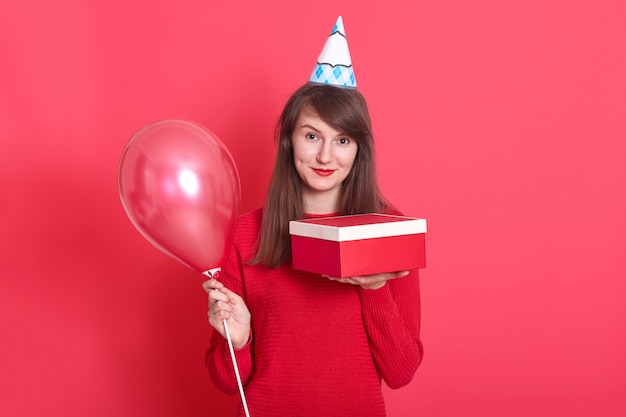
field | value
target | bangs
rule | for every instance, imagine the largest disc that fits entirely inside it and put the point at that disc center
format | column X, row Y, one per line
column 343, row 109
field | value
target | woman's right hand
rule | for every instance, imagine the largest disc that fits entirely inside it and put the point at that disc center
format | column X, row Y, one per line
column 226, row 305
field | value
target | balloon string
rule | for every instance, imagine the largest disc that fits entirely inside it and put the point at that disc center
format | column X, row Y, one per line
column 232, row 355
column 211, row 273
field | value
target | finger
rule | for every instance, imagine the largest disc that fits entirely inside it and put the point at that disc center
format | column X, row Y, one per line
column 208, row 285
column 231, row 296
column 217, row 296
column 396, row 274
column 219, row 316
column 218, row 293
column 353, row 280
column 212, row 284
column 222, row 305
column 217, row 319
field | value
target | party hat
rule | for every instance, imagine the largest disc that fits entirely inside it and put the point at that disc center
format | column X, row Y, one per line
column 334, row 65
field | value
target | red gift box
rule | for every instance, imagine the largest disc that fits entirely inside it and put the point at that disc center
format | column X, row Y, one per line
column 357, row 245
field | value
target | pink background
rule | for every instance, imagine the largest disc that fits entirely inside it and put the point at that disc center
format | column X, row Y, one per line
column 501, row 122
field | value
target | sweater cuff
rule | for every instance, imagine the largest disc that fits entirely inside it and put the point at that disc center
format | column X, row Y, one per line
column 380, row 299
column 243, row 357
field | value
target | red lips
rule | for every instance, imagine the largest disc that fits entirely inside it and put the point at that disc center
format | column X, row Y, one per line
column 323, row 172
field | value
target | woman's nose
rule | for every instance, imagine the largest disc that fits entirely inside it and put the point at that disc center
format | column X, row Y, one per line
column 324, row 154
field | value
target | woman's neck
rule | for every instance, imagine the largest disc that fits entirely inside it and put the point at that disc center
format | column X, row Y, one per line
column 321, row 203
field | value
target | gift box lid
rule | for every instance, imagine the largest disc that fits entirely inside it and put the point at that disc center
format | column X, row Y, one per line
column 357, row 227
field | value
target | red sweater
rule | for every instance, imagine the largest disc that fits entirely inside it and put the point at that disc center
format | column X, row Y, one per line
column 318, row 347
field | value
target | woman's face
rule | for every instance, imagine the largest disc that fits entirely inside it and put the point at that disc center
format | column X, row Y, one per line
column 323, row 158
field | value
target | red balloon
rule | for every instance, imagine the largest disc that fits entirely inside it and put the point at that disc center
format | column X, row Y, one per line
column 180, row 188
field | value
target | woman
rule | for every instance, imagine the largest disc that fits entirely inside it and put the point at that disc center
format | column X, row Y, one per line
column 307, row 344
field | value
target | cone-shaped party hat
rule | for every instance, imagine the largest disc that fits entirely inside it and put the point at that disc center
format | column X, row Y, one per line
column 334, row 65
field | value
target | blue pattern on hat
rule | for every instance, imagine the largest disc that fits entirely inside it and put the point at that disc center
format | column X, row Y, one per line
column 339, row 75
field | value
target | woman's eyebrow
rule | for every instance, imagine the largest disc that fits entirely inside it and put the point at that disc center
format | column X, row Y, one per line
column 307, row 126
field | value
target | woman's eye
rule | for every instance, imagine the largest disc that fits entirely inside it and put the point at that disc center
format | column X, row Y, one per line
column 344, row 141
column 311, row 136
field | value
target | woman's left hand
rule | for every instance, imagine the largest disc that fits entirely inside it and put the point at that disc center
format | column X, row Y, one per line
column 370, row 282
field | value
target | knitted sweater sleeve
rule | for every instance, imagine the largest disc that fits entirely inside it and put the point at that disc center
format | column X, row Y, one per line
column 218, row 360
column 392, row 320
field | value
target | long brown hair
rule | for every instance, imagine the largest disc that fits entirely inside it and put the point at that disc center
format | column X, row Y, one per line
column 346, row 111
